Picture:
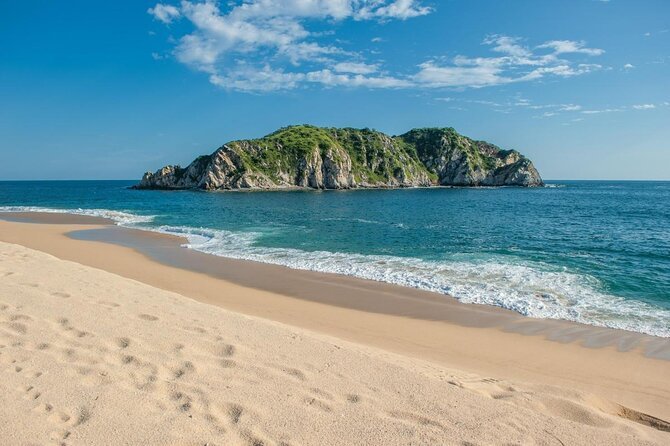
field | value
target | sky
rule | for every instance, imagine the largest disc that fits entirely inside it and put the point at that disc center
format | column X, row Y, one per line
column 109, row 90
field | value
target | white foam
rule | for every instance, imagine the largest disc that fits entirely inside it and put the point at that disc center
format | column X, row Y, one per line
column 531, row 289
column 118, row 217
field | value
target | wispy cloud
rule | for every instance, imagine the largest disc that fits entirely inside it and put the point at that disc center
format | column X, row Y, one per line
column 570, row 46
column 602, row 110
column 550, row 109
column 515, row 63
column 644, row 106
column 265, row 45
column 518, row 102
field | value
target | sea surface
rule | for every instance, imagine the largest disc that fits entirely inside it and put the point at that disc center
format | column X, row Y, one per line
column 596, row 252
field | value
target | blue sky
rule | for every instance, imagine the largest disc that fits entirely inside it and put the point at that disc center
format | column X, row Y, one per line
column 98, row 90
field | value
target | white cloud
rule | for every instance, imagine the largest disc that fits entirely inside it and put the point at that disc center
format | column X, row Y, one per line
column 518, row 63
column 264, row 45
column 251, row 79
column 644, row 107
column 164, row 13
column 331, row 79
column 432, row 75
column 628, row 66
column 570, row 107
column 508, row 45
column 563, row 70
column 605, row 110
column 272, row 33
column 355, row 68
column 401, row 9
column 571, row 46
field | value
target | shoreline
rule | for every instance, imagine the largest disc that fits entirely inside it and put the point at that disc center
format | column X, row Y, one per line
column 167, row 248
column 624, row 367
column 563, row 287
column 343, row 189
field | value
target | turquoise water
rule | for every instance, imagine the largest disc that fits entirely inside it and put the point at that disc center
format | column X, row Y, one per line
column 588, row 251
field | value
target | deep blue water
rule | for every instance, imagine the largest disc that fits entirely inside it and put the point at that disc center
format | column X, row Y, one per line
column 592, row 251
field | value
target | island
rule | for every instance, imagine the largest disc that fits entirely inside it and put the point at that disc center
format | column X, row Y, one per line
column 305, row 156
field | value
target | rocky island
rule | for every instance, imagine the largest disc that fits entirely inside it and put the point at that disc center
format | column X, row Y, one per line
column 305, row 156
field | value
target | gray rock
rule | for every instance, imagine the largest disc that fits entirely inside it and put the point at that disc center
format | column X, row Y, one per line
column 318, row 158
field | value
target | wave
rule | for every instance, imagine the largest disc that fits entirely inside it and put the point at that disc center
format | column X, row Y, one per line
column 532, row 289
column 119, row 217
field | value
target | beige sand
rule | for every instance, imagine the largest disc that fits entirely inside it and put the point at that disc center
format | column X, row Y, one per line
column 523, row 389
column 89, row 357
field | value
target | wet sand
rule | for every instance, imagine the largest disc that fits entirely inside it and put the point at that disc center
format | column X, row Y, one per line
column 626, row 368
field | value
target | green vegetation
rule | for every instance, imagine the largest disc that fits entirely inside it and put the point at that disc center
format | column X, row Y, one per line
column 282, row 150
column 375, row 157
column 346, row 157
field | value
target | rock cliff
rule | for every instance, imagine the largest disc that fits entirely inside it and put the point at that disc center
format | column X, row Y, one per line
column 330, row 158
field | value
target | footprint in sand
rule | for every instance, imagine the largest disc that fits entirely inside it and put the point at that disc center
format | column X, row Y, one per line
column 251, row 439
column 68, row 328
column 44, row 407
column 18, row 328
column 68, row 423
column 228, row 363
column 60, row 294
column 142, row 374
column 417, row 420
column 353, row 398
column 295, row 373
column 147, row 317
column 235, row 413
column 317, row 404
column 31, row 285
column 122, row 342
column 183, row 401
column 186, row 368
column 322, row 393
column 227, row 350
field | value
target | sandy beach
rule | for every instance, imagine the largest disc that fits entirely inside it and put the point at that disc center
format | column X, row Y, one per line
column 115, row 336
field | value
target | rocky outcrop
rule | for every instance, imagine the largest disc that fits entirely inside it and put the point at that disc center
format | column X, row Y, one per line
column 328, row 158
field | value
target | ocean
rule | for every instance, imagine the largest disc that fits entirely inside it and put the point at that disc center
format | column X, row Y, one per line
column 595, row 252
